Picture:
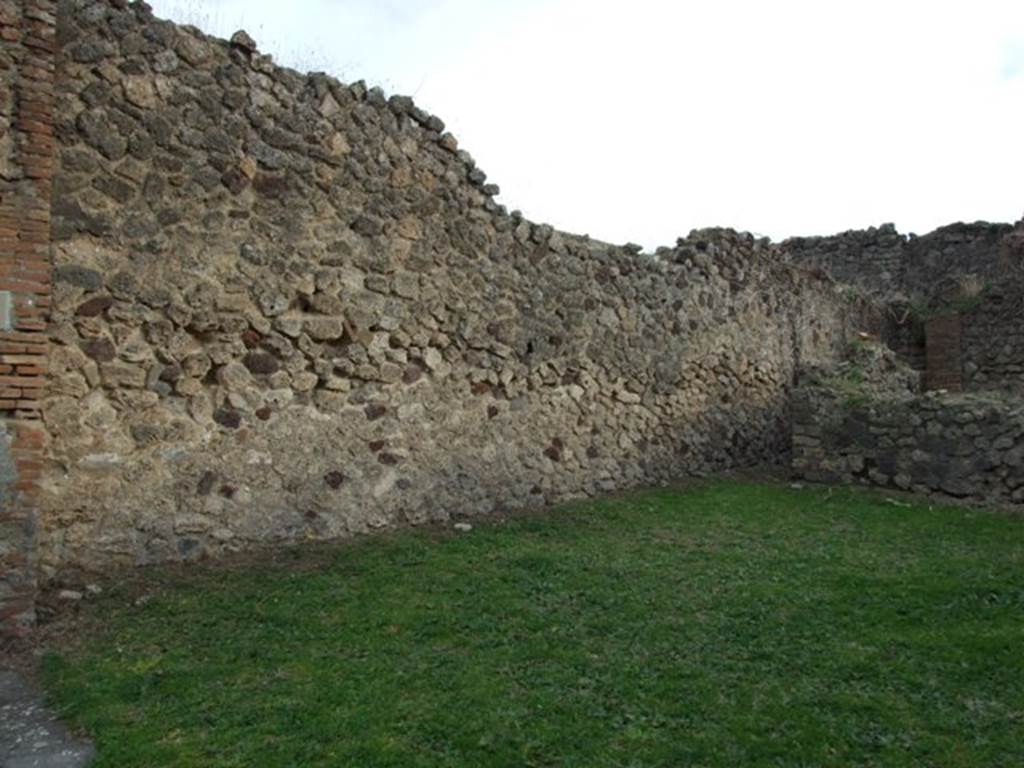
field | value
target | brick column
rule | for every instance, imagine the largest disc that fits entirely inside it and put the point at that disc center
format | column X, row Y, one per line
column 944, row 369
column 27, row 158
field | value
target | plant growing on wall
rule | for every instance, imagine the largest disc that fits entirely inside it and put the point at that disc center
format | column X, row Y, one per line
column 956, row 295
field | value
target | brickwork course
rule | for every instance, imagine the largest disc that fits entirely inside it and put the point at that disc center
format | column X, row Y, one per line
column 28, row 145
column 944, row 363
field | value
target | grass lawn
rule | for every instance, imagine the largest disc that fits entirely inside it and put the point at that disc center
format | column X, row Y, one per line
column 729, row 624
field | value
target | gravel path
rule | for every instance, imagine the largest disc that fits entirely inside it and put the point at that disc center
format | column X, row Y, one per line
column 30, row 736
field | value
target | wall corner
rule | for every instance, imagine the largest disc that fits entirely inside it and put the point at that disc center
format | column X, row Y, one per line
column 27, row 164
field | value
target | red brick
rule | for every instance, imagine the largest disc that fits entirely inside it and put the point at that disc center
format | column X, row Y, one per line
column 25, row 382
column 20, row 337
column 25, row 270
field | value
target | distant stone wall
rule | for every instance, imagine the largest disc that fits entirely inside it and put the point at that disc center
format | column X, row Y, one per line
column 936, row 264
column 975, row 271
column 963, row 446
column 992, row 343
column 873, row 260
column 289, row 309
column 919, row 269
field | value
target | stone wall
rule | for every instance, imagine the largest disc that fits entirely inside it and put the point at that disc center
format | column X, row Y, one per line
column 287, row 308
column 968, row 446
column 903, row 331
column 975, row 271
column 872, row 260
column 936, row 264
column 993, row 339
column 879, row 261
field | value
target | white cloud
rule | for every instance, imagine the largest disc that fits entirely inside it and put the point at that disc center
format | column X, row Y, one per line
column 639, row 121
column 1013, row 59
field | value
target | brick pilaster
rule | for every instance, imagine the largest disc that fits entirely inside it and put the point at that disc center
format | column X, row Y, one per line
column 944, row 367
column 27, row 34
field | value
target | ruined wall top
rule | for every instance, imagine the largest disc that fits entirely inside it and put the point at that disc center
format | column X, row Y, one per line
column 913, row 268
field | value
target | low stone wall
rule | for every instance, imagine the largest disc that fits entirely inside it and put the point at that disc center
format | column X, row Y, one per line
column 964, row 446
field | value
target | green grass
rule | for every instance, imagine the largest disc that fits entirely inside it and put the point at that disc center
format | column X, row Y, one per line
column 730, row 624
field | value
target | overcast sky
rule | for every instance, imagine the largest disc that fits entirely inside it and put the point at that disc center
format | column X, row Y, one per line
column 637, row 121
